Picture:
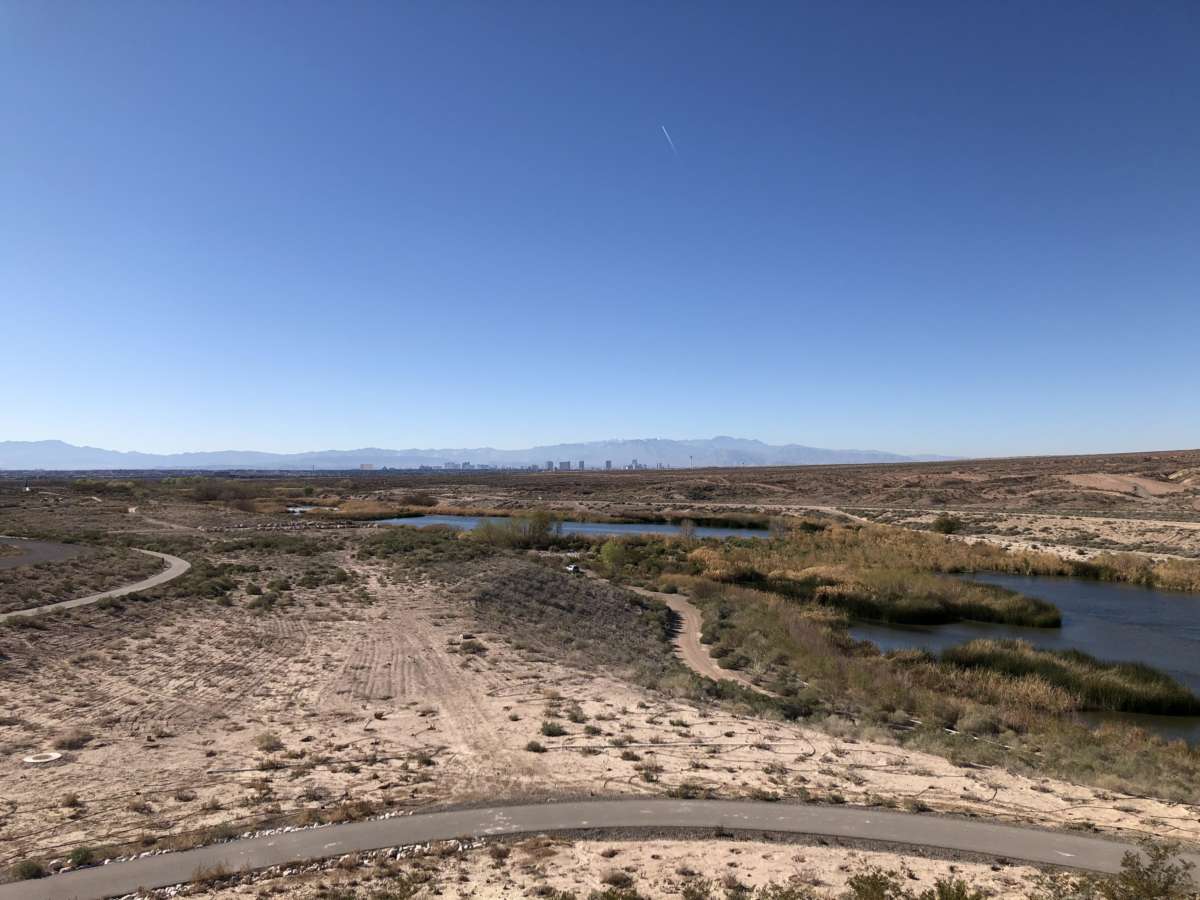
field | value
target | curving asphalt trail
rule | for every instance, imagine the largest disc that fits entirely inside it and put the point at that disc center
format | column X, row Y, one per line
column 175, row 568
column 966, row 835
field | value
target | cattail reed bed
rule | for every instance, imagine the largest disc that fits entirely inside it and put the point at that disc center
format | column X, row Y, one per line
column 1112, row 687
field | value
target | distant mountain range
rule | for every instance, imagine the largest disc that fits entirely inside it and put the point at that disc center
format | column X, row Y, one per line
column 651, row 452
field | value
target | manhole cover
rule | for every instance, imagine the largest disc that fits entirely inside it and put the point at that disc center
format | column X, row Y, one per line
column 39, row 758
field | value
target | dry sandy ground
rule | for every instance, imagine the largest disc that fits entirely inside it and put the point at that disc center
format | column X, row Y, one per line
column 659, row 868
column 1074, row 537
column 1134, row 485
column 372, row 702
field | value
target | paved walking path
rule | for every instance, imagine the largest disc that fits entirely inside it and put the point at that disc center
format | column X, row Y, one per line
column 175, row 568
column 967, row 835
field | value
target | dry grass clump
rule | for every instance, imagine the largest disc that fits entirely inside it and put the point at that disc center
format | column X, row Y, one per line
column 921, row 598
column 1171, row 574
column 366, row 509
column 1018, row 696
column 1115, row 687
column 75, row 739
column 422, row 499
column 268, row 742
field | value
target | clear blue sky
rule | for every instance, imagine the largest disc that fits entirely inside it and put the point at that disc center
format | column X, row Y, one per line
column 965, row 228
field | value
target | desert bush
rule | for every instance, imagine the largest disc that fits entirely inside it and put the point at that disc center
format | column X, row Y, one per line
column 210, row 875
column 417, row 547
column 1154, row 872
column 945, row 523
column 27, row 869
column 207, row 489
column 613, row 557
column 268, row 742
column 418, row 498
column 582, row 622
column 537, row 529
column 616, row 878
column 76, row 739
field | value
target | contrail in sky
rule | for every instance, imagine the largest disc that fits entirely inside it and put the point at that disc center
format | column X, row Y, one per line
column 667, row 135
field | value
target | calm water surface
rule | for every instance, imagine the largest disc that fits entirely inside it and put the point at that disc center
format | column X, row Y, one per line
column 597, row 528
column 1115, row 622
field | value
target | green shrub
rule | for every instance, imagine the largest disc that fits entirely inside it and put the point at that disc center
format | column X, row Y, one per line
column 1154, row 872
column 947, row 524
column 618, row 879
column 27, row 869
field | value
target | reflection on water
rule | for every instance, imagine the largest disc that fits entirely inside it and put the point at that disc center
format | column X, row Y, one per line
column 1113, row 622
column 600, row 528
column 1173, row 728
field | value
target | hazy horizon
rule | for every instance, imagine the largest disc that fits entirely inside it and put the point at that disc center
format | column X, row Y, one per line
column 923, row 454
column 967, row 230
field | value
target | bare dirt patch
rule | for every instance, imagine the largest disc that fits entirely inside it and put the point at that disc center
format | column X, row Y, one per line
column 1134, row 485
column 1069, row 536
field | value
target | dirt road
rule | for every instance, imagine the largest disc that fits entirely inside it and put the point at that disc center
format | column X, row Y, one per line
column 964, row 835
column 690, row 650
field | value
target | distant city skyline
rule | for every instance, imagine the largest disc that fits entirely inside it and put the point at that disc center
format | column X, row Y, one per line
column 632, row 453
column 963, row 229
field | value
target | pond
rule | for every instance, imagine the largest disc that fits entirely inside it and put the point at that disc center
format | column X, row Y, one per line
column 1111, row 621
column 586, row 528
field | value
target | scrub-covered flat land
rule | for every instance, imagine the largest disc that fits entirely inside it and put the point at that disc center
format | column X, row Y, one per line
column 321, row 668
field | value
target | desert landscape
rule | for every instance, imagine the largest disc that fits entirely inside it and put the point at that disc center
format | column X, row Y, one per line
column 599, row 451
column 319, row 667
